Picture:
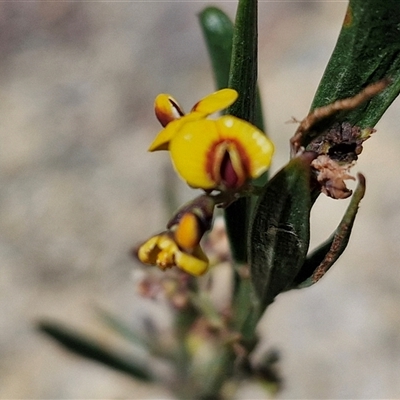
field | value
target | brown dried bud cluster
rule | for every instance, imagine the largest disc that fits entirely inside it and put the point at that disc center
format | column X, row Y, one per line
column 342, row 142
column 337, row 146
column 173, row 286
column 338, row 149
column 331, row 177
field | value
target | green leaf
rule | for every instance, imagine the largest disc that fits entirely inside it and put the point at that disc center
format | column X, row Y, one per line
column 233, row 53
column 280, row 232
column 218, row 33
column 218, row 29
column 321, row 259
column 243, row 78
column 89, row 348
column 243, row 71
column 367, row 50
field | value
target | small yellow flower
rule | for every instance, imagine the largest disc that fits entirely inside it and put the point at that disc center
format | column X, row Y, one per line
column 171, row 116
column 210, row 154
column 220, row 154
column 163, row 251
column 180, row 244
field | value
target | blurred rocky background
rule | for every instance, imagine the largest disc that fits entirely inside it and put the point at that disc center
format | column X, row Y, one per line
column 78, row 190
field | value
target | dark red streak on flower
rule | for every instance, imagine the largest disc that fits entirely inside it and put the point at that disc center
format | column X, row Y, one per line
column 228, row 174
column 222, row 169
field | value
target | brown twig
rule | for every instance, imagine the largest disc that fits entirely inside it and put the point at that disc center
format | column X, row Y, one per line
column 321, row 113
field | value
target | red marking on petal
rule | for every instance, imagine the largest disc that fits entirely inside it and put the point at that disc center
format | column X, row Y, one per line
column 166, row 115
column 220, row 166
column 228, row 175
column 164, row 118
column 177, row 108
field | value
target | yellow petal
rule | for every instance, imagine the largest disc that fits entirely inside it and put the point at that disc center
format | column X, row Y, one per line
column 216, row 101
column 148, row 251
column 188, row 232
column 161, row 142
column 189, row 150
column 166, row 258
column 257, row 147
column 167, row 109
column 195, row 151
column 194, row 264
column 159, row 250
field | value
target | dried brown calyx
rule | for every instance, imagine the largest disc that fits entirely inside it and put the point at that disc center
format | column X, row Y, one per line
column 331, row 176
column 338, row 149
column 342, row 142
column 338, row 144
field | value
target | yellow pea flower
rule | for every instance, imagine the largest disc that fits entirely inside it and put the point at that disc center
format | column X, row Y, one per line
column 172, row 117
column 220, row 154
column 180, row 244
column 163, row 251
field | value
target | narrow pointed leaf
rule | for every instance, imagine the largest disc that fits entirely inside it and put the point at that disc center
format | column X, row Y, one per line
column 280, row 231
column 243, row 78
column 367, row 50
column 243, row 72
column 89, row 348
column 217, row 29
column 321, row 259
column 218, row 32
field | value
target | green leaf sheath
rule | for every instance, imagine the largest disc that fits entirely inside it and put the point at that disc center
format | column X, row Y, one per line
column 367, row 50
column 89, row 348
column 321, row 259
column 280, row 231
